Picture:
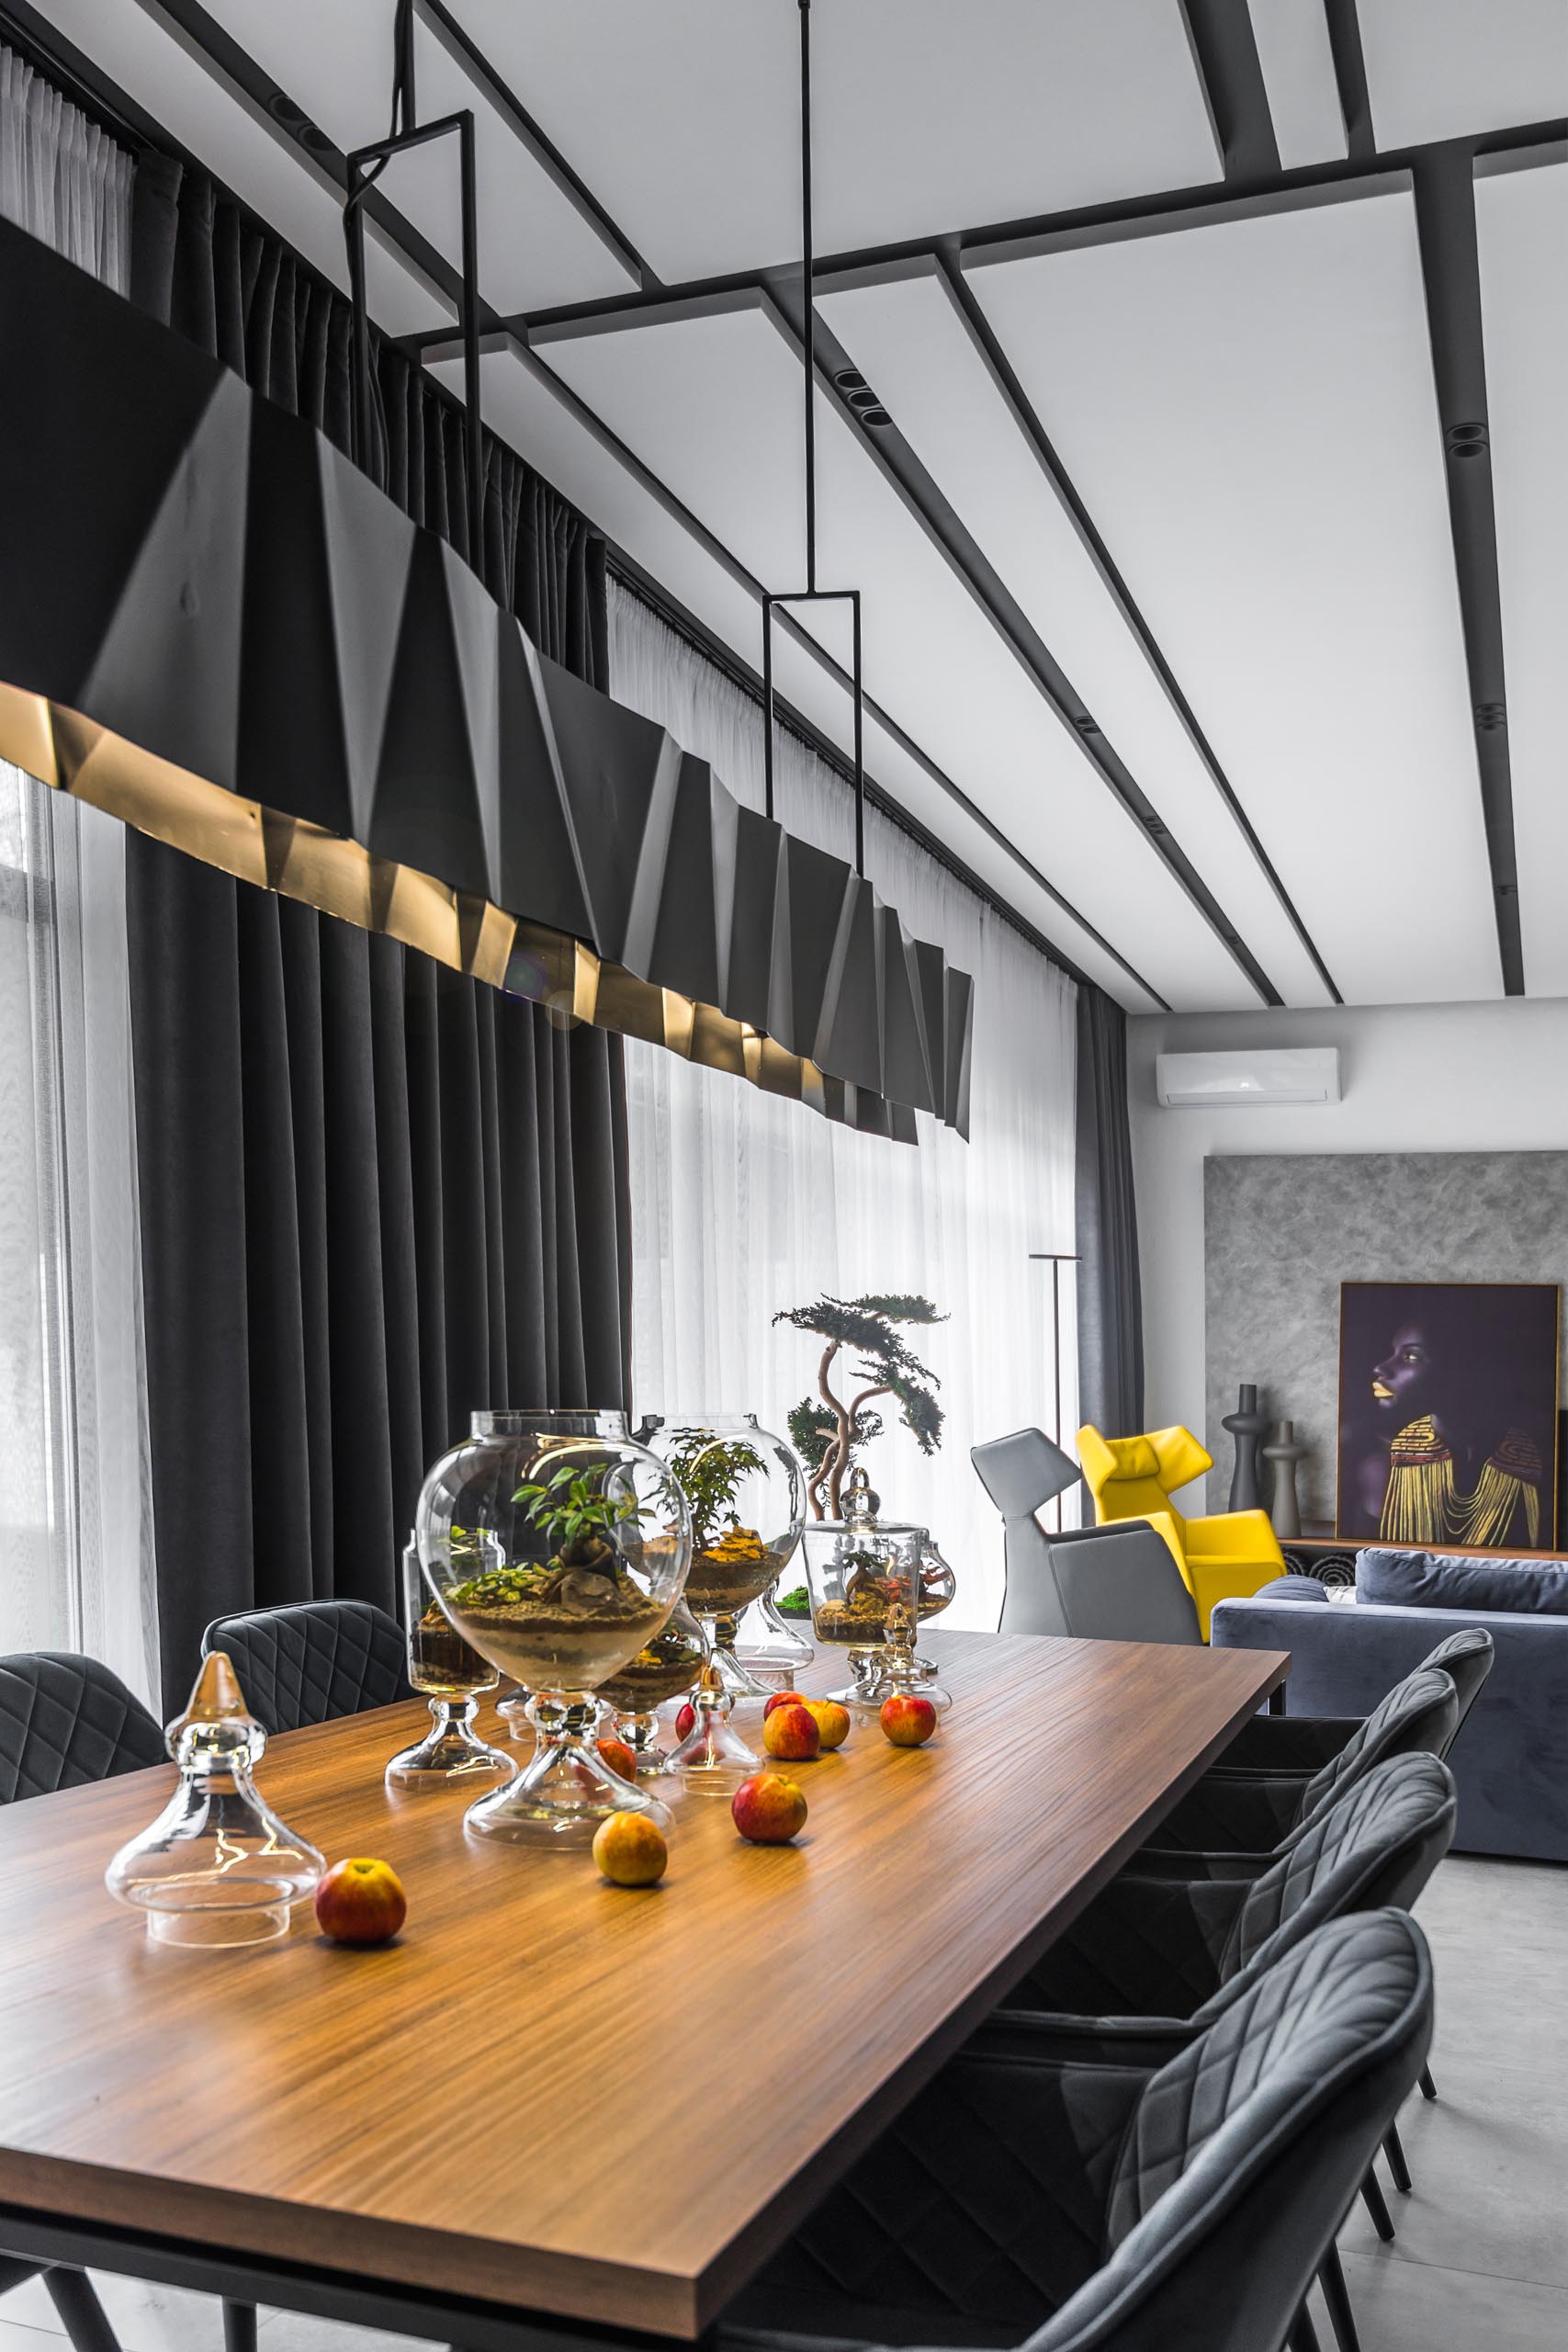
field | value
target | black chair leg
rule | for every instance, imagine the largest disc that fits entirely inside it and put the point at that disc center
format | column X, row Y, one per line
column 239, row 2326
column 1393, row 2149
column 1381, row 2220
column 1428, row 2087
column 1303, row 2337
column 1336, row 2296
column 75, row 2298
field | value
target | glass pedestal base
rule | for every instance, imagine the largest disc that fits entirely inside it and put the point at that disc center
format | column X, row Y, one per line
column 451, row 1750
column 769, row 1648
column 559, row 1799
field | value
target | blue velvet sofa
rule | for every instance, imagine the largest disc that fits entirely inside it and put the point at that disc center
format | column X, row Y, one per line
column 1511, row 1759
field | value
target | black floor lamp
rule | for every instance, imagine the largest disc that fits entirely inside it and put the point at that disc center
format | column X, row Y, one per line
column 1056, row 1259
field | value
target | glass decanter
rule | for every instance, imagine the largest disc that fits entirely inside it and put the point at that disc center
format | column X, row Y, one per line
column 218, row 1867
column 595, row 1542
column 451, row 1674
column 713, row 1758
column 665, row 1668
column 746, row 1492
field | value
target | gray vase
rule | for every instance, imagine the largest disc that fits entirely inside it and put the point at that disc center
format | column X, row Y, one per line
column 1283, row 1452
column 1247, row 1425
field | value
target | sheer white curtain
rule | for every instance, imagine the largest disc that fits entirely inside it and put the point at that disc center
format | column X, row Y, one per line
column 76, row 1515
column 743, row 1203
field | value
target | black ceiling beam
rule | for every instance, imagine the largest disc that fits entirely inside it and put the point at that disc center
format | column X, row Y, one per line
column 949, row 534
column 466, row 52
column 1027, row 421
column 1339, row 181
column 1224, row 51
column 1450, row 267
column 1350, row 74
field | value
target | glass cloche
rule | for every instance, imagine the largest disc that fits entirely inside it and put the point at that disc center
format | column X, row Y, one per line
column 595, row 1542
column 218, row 1867
column 746, row 1492
column 864, row 1575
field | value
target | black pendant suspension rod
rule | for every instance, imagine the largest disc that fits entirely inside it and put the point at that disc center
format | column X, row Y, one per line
column 810, row 338
column 811, row 593
column 366, row 166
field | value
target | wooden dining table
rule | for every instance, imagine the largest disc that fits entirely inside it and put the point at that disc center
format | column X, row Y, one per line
column 552, row 2108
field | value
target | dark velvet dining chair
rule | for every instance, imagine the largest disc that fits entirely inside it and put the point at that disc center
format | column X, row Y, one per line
column 314, row 1660
column 1163, row 2201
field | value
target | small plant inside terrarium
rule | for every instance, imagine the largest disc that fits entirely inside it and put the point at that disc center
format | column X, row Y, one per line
column 564, row 1618
column 732, row 1564
column 868, row 1583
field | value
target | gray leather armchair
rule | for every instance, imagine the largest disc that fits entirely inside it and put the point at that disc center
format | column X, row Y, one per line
column 1117, row 1583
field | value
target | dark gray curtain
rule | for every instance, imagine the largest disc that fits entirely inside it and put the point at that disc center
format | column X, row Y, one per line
column 373, row 1194
column 1111, row 1306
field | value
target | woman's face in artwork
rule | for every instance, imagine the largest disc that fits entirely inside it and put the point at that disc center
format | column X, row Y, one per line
column 1405, row 1374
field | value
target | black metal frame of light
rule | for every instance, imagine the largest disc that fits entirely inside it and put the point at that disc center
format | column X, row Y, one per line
column 360, row 164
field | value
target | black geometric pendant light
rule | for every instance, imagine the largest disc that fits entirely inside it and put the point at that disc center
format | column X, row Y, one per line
column 213, row 624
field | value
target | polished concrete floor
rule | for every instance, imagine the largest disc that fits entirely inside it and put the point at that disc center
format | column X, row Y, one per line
column 1480, row 2263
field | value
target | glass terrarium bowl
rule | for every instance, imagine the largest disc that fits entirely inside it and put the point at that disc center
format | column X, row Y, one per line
column 864, row 1576
column 451, row 1674
column 595, row 1542
column 218, row 1867
column 665, row 1668
column 745, row 1493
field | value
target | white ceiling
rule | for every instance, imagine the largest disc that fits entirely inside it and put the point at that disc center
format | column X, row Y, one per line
column 1245, row 407
column 1439, row 69
column 1248, row 412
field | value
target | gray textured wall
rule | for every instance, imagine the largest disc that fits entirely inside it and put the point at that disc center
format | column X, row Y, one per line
column 1281, row 1233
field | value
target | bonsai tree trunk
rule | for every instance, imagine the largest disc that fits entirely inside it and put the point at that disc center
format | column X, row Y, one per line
column 835, row 1460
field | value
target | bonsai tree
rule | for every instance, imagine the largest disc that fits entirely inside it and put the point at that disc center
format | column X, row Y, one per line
column 708, row 1472
column 827, row 1434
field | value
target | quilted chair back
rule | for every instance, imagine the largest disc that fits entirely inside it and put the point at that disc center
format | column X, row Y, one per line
column 1466, row 1658
column 1418, row 1716
column 66, row 1720
column 1246, row 2150
column 1378, row 1845
column 312, row 1662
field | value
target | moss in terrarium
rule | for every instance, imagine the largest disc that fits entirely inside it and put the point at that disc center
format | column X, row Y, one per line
column 794, row 1604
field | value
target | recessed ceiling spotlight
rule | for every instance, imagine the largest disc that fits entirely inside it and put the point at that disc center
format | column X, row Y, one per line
column 1490, row 716
column 850, row 380
column 874, row 416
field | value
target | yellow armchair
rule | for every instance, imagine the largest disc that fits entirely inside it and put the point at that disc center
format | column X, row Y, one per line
column 1223, row 1558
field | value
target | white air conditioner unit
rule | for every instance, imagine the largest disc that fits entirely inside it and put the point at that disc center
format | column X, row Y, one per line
column 1266, row 1074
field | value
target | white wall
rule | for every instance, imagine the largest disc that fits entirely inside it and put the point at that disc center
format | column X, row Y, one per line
column 1415, row 1078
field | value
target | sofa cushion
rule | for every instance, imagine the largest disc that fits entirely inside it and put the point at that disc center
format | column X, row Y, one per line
column 1448, row 1580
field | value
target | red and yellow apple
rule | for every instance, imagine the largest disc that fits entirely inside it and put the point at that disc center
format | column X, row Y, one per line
column 907, row 1719
column 630, row 1850
column 791, row 1735
column 361, row 1901
column 618, row 1757
column 785, row 1699
column 832, row 1721
column 686, row 1721
column 768, row 1810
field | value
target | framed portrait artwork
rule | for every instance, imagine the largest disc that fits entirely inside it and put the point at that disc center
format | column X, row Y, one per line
column 1447, row 1414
